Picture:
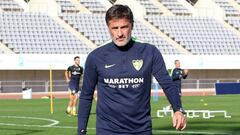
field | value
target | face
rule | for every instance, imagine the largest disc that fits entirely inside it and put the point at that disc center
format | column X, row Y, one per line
column 120, row 31
column 77, row 61
column 177, row 64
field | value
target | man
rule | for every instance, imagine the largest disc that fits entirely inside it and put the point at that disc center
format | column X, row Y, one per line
column 178, row 74
column 122, row 71
column 73, row 75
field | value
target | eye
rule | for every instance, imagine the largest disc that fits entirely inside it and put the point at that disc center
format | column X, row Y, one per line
column 124, row 27
column 114, row 28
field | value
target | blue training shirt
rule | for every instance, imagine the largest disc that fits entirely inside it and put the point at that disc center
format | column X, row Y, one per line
column 123, row 80
column 76, row 73
column 177, row 75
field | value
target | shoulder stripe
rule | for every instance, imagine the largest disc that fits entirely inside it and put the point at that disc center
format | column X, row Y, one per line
column 134, row 38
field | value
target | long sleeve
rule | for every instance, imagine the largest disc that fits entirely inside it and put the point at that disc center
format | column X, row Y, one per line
column 85, row 100
column 160, row 73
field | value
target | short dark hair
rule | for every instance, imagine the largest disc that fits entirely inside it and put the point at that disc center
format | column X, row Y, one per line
column 118, row 12
column 176, row 61
column 76, row 57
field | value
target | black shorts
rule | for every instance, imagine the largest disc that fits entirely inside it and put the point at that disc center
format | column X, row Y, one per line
column 73, row 92
column 73, row 88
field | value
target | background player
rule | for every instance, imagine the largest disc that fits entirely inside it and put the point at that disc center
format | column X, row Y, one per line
column 178, row 74
column 73, row 75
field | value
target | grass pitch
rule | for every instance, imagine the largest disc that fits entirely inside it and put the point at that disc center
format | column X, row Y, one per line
column 32, row 117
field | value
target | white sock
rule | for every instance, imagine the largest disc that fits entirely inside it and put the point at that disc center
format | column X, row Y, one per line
column 68, row 108
column 74, row 109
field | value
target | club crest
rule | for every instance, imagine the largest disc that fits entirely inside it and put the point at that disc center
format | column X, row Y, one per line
column 137, row 64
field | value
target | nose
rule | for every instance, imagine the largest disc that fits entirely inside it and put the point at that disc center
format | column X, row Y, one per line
column 120, row 33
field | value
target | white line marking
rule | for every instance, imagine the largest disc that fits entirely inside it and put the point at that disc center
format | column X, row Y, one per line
column 54, row 122
column 8, row 124
column 189, row 132
column 154, row 131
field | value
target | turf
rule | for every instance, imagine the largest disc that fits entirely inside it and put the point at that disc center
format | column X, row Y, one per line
column 28, row 112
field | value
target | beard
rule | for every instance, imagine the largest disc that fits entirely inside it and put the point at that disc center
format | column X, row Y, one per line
column 121, row 41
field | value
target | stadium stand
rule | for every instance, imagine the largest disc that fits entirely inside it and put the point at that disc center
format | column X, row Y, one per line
column 94, row 6
column 10, row 5
column 94, row 27
column 228, row 8
column 150, row 7
column 67, row 6
column 143, row 33
column 175, row 7
column 238, row 1
column 91, row 25
column 235, row 22
column 200, row 35
column 37, row 33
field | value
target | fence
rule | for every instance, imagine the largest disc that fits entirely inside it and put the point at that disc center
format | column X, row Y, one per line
column 204, row 83
column 36, row 86
column 61, row 85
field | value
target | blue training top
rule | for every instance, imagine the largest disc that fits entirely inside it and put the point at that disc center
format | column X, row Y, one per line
column 177, row 75
column 123, row 78
column 76, row 73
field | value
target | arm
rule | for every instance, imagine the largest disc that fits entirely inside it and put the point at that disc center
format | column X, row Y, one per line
column 85, row 100
column 160, row 73
column 185, row 73
column 67, row 75
column 81, row 78
column 170, row 90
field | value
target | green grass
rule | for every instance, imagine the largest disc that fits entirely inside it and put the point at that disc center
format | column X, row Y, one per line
column 39, row 108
